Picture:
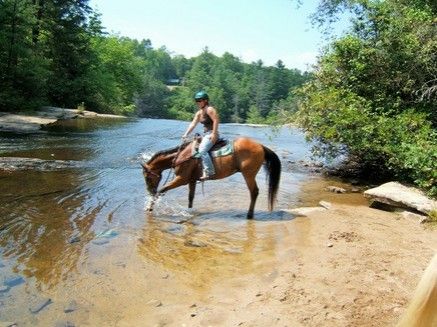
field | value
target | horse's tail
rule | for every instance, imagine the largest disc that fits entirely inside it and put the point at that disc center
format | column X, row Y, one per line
column 273, row 170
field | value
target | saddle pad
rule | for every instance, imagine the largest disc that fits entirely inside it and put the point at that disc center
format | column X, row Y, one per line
column 226, row 150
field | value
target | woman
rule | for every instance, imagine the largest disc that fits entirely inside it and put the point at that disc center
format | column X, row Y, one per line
column 207, row 116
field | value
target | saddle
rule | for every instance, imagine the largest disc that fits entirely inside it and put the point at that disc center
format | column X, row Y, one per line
column 221, row 148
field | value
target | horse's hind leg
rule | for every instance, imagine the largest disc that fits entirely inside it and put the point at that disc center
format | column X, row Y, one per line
column 253, row 189
column 192, row 191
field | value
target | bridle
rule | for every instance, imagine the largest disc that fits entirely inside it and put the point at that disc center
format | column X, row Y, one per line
column 150, row 172
column 172, row 167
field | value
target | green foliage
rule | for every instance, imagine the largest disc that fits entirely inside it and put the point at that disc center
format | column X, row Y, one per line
column 241, row 92
column 254, row 116
column 182, row 106
column 81, row 107
column 129, row 110
column 373, row 96
column 23, row 67
column 152, row 100
column 433, row 216
column 117, row 73
column 57, row 53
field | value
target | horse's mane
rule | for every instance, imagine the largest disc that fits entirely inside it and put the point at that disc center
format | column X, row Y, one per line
column 168, row 151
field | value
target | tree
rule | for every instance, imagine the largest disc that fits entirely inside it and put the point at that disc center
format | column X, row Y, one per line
column 23, row 68
column 373, row 96
column 69, row 50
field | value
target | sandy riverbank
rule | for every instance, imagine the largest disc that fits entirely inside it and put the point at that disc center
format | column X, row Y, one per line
column 33, row 122
column 350, row 266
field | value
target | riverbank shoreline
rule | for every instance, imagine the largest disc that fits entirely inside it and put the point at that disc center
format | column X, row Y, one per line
column 350, row 265
column 24, row 122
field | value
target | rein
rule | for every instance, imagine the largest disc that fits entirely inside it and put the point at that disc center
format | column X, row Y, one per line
column 172, row 167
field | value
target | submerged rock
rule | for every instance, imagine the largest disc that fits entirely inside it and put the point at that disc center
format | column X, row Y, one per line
column 100, row 241
column 195, row 244
column 104, row 237
column 415, row 217
column 325, row 204
column 41, row 304
column 305, row 211
column 397, row 195
column 74, row 239
column 4, row 288
column 72, row 306
column 109, row 233
column 18, row 163
column 66, row 323
column 8, row 324
column 12, row 281
column 336, row 189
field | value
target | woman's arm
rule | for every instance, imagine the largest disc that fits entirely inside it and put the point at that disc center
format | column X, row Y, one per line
column 192, row 125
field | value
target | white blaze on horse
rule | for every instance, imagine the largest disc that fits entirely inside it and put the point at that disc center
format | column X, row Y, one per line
column 248, row 156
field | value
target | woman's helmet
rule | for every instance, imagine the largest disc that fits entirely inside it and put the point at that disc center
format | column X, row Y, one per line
column 201, row 95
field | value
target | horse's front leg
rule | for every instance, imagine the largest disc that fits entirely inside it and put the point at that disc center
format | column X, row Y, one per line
column 192, row 191
column 176, row 182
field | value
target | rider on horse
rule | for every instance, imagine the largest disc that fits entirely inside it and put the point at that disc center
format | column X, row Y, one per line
column 207, row 116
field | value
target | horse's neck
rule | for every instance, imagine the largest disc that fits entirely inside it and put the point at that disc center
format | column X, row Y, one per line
column 164, row 162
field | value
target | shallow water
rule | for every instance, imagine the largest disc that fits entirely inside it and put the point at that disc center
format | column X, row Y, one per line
column 82, row 238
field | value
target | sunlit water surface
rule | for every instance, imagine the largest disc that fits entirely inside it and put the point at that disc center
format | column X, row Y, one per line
column 77, row 245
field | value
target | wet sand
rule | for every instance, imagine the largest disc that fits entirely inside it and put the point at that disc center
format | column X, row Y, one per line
column 349, row 266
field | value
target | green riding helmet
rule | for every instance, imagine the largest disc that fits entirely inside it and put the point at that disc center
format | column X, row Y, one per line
column 201, row 95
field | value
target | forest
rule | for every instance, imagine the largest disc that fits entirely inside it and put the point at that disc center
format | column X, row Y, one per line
column 57, row 53
column 371, row 96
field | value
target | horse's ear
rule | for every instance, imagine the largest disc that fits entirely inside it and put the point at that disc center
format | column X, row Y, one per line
column 145, row 168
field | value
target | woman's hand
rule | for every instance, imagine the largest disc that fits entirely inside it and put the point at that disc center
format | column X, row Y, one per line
column 214, row 137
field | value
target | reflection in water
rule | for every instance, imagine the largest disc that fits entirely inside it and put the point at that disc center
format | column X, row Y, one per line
column 206, row 251
column 36, row 227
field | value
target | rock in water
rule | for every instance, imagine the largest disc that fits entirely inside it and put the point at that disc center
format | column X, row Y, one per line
column 41, row 304
column 398, row 195
column 305, row 211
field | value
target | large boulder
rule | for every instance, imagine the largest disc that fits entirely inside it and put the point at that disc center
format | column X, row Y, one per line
column 398, row 195
column 32, row 123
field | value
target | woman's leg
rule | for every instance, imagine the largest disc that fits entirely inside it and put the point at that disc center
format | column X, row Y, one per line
column 204, row 147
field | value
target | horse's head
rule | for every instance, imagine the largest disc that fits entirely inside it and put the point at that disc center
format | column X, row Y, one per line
column 152, row 178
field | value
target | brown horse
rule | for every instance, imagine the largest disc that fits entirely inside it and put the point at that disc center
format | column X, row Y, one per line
column 247, row 158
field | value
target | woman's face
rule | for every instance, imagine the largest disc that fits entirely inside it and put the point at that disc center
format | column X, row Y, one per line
column 201, row 103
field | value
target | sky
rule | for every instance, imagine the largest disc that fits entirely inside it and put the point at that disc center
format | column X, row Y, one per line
column 268, row 30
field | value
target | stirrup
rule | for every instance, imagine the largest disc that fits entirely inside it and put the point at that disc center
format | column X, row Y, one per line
column 204, row 178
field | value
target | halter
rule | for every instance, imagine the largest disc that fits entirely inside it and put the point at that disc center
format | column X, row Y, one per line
column 172, row 167
column 152, row 173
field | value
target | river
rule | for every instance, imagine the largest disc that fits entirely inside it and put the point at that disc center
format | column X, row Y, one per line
column 78, row 247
